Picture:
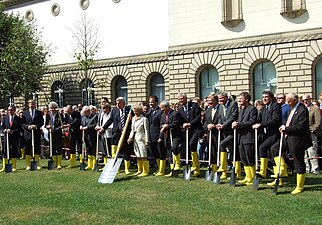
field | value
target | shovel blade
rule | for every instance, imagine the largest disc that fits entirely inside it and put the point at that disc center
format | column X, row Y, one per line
column 187, row 174
column 175, row 173
column 256, row 182
column 110, row 170
column 217, row 178
column 96, row 169
column 276, row 186
column 233, row 178
column 34, row 165
column 9, row 168
column 51, row 164
column 209, row 175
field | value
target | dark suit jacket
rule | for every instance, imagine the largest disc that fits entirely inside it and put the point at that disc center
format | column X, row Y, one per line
column 16, row 128
column 27, row 121
column 194, row 117
column 271, row 119
column 115, row 119
column 298, row 132
column 231, row 116
column 90, row 134
column 57, row 135
column 210, row 120
column 75, row 122
column 173, row 125
column 154, row 122
column 246, row 119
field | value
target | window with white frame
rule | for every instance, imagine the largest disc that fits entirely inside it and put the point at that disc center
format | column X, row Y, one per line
column 88, row 92
column 209, row 81
column 157, row 86
column 120, row 88
column 232, row 12
column 58, row 93
column 318, row 78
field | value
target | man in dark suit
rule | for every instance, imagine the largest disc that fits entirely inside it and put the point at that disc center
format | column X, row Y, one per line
column 154, row 115
column 246, row 119
column 211, row 120
column 228, row 113
column 11, row 125
column 270, row 120
column 32, row 120
column 118, row 118
column 169, row 129
column 88, row 124
column 74, row 123
column 189, row 117
column 298, row 137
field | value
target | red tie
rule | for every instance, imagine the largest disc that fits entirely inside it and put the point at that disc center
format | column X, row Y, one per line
column 10, row 120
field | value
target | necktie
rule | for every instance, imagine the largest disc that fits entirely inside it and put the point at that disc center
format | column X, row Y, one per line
column 53, row 121
column 213, row 112
column 32, row 114
column 290, row 117
column 10, row 120
column 225, row 111
column 167, row 122
column 122, row 119
column 186, row 111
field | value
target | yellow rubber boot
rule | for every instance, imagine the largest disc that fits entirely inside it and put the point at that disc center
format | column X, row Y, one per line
column 22, row 153
column 114, row 149
column 161, row 168
column 195, row 164
column 263, row 167
column 4, row 162
column 28, row 158
column 158, row 164
column 59, row 158
column 127, row 164
column 14, row 164
column 300, row 179
column 105, row 160
column 80, row 156
column 238, row 169
column 223, row 165
column 140, row 166
column 146, row 167
column 170, row 174
column 247, row 175
column 89, row 163
column 252, row 170
column 37, row 159
column 72, row 161
column 283, row 169
column 176, row 162
column 55, row 160
column 214, row 167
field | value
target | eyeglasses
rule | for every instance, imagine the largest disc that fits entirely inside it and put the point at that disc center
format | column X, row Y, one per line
column 280, row 98
column 305, row 99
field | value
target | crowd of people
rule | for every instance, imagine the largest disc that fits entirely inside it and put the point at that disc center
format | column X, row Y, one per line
column 284, row 128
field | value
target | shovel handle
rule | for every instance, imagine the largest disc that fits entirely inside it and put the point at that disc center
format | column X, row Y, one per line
column 97, row 139
column 187, row 145
column 256, row 148
column 280, row 155
column 209, row 146
column 33, row 142
column 218, row 148
column 235, row 147
column 8, row 147
column 50, row 144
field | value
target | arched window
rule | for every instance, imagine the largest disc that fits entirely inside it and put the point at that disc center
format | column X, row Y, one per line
column 157, row 86
column 318, row 78
column 58, row 93
column 264, row 77
column 120, row 88
column 88, row 93
column 209, row 81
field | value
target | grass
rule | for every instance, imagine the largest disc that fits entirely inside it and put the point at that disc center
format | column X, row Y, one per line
column 71, row 196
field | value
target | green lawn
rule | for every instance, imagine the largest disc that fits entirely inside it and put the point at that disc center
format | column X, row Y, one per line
column 71, row 196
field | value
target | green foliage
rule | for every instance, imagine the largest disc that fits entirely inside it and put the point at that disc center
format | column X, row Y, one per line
column 22, row 56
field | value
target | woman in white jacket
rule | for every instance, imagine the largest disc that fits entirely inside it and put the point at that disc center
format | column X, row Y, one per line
column 140, row 137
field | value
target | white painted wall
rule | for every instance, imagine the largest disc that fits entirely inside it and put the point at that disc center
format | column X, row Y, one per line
column 130, row 27
column 197, row 21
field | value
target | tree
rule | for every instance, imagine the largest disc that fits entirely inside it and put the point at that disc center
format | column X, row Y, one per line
column 85, row 34
column 22, row 56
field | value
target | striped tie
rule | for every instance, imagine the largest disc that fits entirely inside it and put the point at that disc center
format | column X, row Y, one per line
column 122, row 119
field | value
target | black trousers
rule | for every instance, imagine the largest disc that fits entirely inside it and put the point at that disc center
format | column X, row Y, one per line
column 75, row 142
column 247, row 154
column 126, row 147
column 266, row 145
column 29, row 149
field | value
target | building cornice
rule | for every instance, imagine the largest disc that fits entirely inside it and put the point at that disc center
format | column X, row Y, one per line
column 13, row 3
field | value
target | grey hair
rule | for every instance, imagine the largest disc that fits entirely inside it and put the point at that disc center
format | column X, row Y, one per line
column 165, row 104
column 120, row 99
column 53, row 105
column 182, row 95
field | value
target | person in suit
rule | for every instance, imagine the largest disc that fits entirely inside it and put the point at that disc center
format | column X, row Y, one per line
column 139, row 135
column 270, row 120
column 11, row 125
column 55, row 126
column 32, row 120
column 228, row 113
column 312, row 163
column 246, row 119
column 211, row 120
column 297, row 137
column 118, row 119
column 154, row 115
column 75, row 143
column 170, row 138
column 189, row 118
column 88, row 124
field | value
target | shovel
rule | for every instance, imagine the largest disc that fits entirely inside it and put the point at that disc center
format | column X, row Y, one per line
column 233, row 174
column 34, row 163
column 51, row 162
column 96, row 169
column 218, row 174
column 112, row 166
column 257, row 176
column 9, row 165
column 175, row 173
column 187, row 171
column 278, row 166
column 82, row 163
column 209, row 173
